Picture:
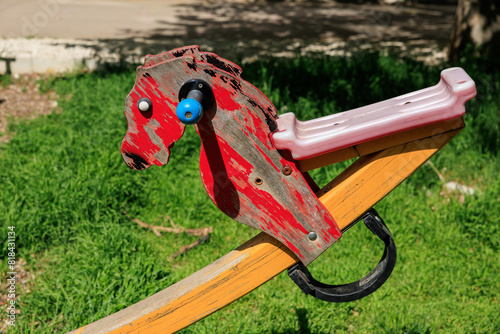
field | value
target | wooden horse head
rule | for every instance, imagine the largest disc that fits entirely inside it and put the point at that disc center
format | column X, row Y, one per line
column 242, row 171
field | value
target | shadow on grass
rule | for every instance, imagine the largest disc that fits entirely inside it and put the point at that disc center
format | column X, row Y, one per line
column 303, row 322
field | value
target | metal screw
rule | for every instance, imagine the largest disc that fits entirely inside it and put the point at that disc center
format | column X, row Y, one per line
column 200, row 85
column 328, row 188
column 312, row 236
column 286, row 170
column 258, row 181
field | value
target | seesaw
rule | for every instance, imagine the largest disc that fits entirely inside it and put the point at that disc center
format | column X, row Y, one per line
column 254, row 167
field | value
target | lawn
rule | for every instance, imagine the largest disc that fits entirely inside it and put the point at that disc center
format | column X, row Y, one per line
column 65, row 187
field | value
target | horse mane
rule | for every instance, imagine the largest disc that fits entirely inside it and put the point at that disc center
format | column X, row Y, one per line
column 194, row 51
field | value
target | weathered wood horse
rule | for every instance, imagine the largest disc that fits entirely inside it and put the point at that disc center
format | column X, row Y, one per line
column 242, row 171
column 254, row 168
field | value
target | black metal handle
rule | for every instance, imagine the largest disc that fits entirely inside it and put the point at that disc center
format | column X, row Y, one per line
column 361, row 288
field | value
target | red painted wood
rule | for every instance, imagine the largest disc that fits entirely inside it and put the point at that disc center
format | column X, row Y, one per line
column 240, row 167
column 150, row 135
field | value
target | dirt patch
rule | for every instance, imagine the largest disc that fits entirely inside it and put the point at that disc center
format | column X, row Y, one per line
column 20, row 100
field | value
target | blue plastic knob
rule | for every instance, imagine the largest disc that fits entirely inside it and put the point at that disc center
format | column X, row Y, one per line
column 189, row 111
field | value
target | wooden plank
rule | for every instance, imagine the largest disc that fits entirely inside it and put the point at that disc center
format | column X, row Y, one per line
column 352, row 193
column 243, row 173
column 379, row 144
column 202, row 293
column 376, row 175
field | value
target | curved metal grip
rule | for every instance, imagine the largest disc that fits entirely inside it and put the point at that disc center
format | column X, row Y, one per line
column 361, row 288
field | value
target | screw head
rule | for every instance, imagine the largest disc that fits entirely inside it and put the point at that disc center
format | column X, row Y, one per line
column 258, row 181
column 312, row 236
column 287, row 170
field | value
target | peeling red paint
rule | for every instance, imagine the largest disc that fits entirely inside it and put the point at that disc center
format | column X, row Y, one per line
column 223, row 98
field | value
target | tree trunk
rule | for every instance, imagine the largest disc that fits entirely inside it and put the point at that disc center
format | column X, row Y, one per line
column 477, row 24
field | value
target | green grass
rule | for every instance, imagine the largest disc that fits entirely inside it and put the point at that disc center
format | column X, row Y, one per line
column 5, row 80
column 64, row 187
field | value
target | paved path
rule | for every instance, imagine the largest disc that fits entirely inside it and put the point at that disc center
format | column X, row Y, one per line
column 53, row 35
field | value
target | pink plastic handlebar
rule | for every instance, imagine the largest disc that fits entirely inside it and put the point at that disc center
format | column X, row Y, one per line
column 438, row 103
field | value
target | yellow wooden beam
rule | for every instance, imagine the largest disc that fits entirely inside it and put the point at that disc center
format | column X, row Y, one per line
column 379, row 144
column 372, row 177
column 352, row 193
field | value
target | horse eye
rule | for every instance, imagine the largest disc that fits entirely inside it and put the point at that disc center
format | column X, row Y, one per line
column 144, row 104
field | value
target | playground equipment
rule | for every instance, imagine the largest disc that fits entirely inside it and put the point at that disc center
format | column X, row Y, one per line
column 254, row 167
